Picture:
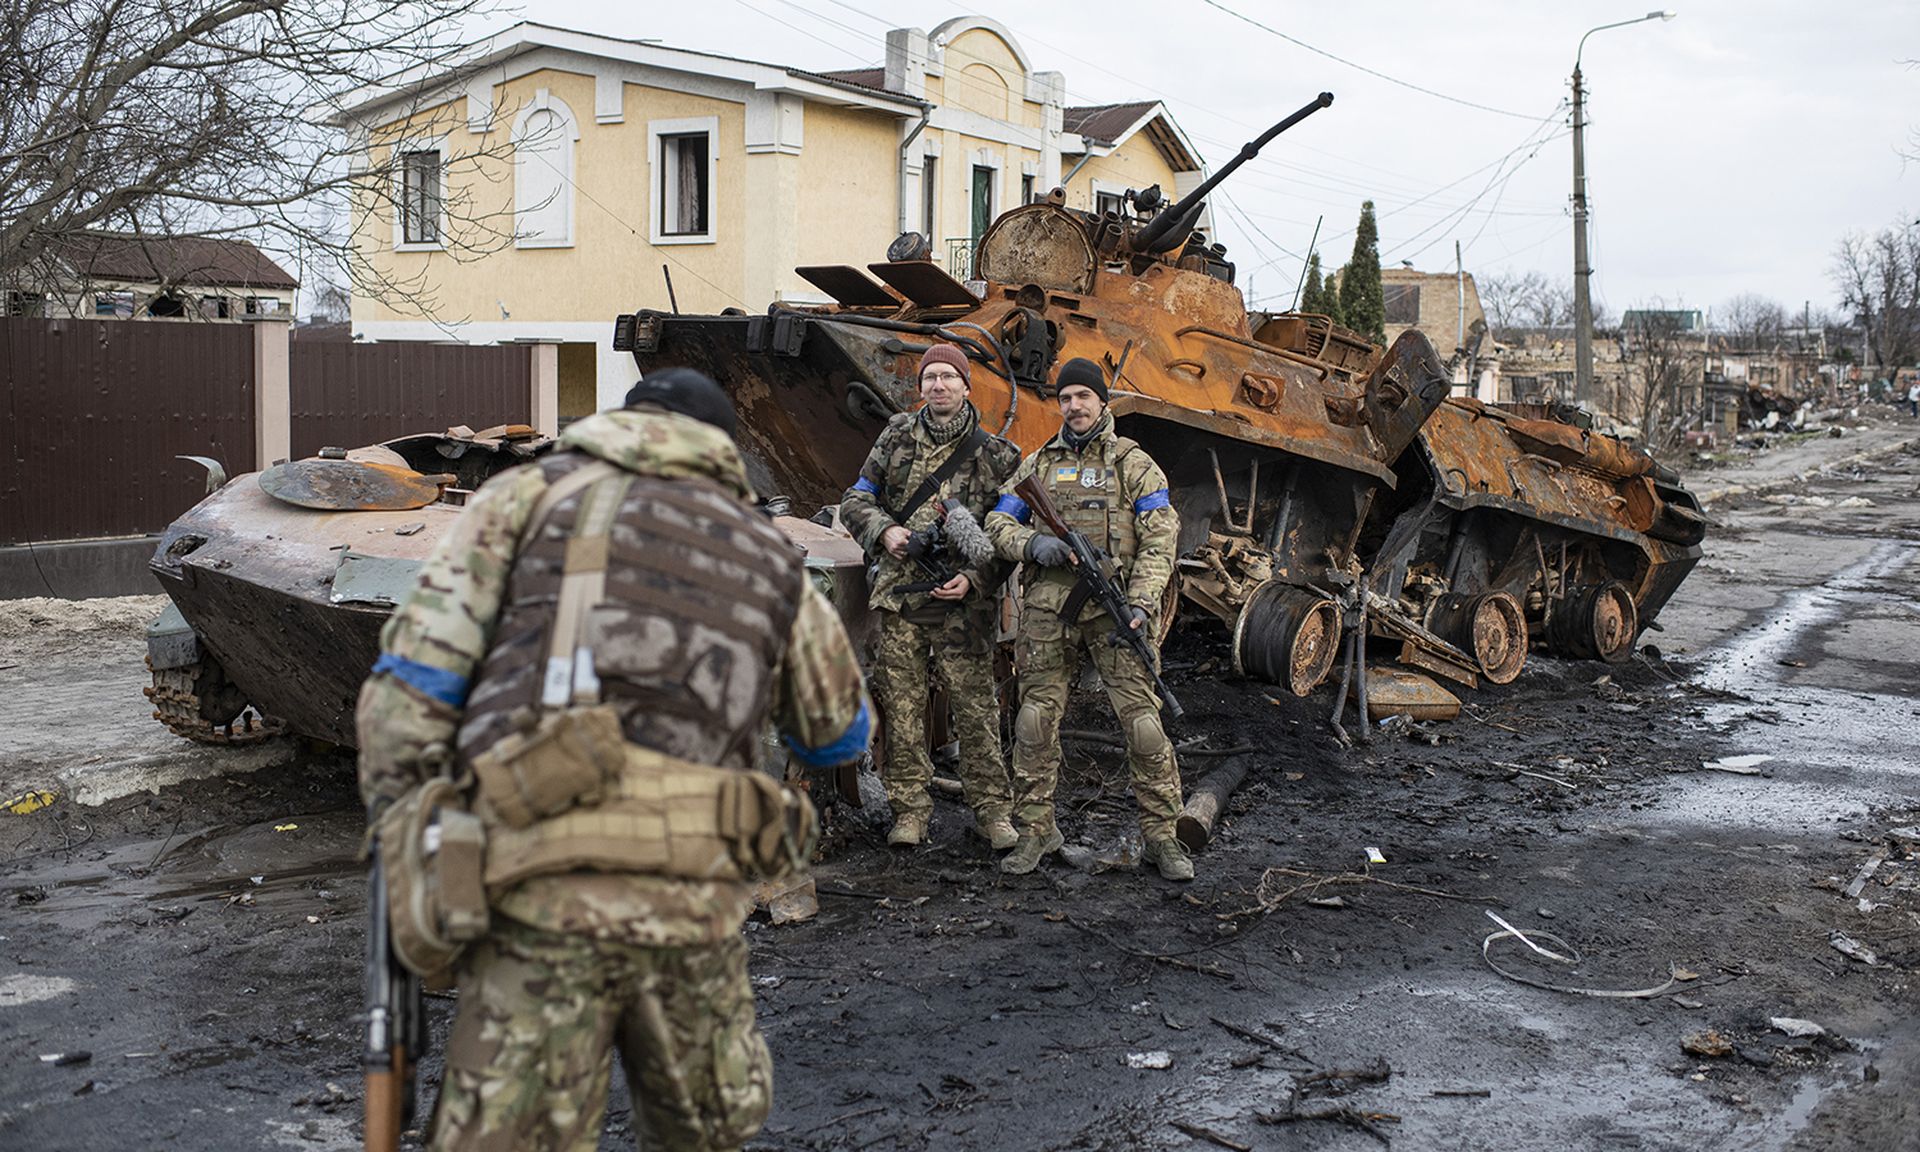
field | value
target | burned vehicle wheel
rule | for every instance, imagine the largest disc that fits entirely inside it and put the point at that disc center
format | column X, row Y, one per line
column 1288, row 636
column 198, row 702
column 1491, row 627
column 1598, row 622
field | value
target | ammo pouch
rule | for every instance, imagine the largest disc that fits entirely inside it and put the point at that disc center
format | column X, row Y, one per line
column 559, row 761
column 433, row 851
column 663, row 816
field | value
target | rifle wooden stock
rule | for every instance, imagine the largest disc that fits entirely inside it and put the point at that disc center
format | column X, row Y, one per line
column 396, row 1025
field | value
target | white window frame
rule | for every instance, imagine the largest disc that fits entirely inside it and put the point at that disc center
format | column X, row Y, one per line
column 656, row 164
column 1097, row 188
column 543, row 101
column 438, row 145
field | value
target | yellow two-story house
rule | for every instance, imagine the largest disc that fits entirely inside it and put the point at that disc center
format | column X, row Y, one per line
column 545, row 180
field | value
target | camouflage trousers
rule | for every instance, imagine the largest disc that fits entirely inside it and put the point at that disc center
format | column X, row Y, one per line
column 1048, row 662
column 540, row 1014
column 961, row 655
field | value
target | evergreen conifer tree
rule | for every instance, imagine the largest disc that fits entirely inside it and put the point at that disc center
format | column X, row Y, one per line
column 1363, row 306
column 1310, row 296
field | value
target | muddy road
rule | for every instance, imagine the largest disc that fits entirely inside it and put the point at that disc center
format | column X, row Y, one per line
column 1688, row 825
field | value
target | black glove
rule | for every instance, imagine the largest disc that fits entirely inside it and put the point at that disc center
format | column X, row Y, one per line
column 1143, row 618
column 1049, row 551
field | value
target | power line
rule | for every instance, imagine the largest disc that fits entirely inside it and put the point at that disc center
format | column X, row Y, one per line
column 1362, row 67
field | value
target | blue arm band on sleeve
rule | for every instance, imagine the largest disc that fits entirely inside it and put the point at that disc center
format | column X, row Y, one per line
column 1014, row 507
column 447, row 687
column 1157, row 498
column 865, row 485
column 851, row 743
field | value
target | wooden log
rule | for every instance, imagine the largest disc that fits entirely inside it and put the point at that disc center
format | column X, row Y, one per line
column 1209, row 799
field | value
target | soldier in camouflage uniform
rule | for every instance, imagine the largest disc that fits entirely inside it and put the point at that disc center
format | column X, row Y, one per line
column 955, row 623
column 1107, row 488
column 706, row 628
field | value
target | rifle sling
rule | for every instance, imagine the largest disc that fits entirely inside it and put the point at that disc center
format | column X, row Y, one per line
column 962, row 452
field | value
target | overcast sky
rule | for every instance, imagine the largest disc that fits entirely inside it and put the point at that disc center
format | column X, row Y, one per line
column 1728, row 149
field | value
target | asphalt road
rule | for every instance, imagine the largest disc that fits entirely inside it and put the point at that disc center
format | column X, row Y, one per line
column 201, row 943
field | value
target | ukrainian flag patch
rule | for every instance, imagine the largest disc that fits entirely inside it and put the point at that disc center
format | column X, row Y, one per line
column 1066, row 474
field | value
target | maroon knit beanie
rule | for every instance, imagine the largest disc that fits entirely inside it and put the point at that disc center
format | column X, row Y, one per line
column 947, row 354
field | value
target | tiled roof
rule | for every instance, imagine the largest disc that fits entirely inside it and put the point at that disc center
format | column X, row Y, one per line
column 195, row 260
column 874, row 78
column 1104, row 123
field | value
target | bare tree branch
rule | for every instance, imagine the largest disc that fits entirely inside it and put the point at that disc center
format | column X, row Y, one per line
column 199, row 118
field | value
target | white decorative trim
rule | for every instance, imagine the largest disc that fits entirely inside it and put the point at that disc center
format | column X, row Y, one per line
column 656, row 209
column 951, row 30
column 545, row 101
column 775, row 123
column 609, row 97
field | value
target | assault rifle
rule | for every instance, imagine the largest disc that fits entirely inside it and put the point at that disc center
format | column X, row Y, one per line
column 1096, row 582
column 396, row 1025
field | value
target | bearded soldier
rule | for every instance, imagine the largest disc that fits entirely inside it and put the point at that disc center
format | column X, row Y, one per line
column 1108, row 489
column 916, row 508
column 591, row 657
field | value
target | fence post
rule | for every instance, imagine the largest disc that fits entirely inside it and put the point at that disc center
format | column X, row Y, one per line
column 544, row 406
column 272, row 391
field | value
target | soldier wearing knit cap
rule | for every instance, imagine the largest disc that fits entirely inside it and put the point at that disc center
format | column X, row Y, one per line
column 1109, row 490
column 950, row 627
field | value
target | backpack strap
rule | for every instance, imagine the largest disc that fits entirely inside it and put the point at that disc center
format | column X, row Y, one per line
column 570, row 677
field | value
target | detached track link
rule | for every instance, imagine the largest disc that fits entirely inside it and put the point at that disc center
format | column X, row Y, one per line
column 177, row 705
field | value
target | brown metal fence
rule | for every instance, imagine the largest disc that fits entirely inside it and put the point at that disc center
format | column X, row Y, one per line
column 346, row 395
column 96, row 412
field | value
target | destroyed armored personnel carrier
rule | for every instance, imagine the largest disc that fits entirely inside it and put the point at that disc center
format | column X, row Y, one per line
column 1326, row 487
column 282, row 579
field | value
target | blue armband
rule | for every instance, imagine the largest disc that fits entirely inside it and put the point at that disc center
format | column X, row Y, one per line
column 865, row 485
column 851, row 743
column 1157, row 498
column 447, row 687
column 1015, row 507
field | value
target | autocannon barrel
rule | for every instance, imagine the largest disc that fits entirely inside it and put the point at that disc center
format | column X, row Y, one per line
column 1162, row 224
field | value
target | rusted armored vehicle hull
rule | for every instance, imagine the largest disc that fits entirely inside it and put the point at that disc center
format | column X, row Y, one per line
column 1506, row 532
column 1326, row 487
column 279, row 596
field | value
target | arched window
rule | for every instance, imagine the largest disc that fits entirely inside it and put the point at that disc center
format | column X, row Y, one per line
column 543, row 136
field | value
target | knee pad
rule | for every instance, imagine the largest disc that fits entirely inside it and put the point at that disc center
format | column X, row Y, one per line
column 1146, row 737
column 1030, row 727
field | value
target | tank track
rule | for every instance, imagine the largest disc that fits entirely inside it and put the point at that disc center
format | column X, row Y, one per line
column 177, row 702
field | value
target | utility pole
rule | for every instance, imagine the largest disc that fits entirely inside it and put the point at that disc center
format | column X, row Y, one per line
column 1583, row 389
column 1582, row 303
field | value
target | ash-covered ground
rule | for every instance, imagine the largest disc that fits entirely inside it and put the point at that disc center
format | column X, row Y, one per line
column 202, row 943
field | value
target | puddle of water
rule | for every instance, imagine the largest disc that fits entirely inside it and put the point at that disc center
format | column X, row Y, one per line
column 1836, row 752
column 20, row 988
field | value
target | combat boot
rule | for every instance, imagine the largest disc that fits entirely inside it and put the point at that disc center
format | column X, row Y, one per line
column 997, row 831
column 1026, row 854
column 1171, row 856
column 909, row 831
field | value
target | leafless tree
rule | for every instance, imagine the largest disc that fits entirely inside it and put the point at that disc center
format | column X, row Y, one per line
column 1525, row 300
column 1879, row 281
column 209, row 118
column 1656, row 343
column 1752, row 321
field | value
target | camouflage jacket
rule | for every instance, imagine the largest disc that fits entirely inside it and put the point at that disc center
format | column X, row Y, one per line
column 1112, row 492
column 412, row 704
column 901, row 459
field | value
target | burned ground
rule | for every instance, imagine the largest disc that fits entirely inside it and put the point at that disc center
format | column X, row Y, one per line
column 202, row 943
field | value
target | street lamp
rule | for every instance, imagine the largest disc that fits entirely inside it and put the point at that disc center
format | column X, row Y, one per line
column 1582, row 301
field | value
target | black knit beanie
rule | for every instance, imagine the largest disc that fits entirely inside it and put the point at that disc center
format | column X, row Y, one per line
column 1085, row 373
column 688, row 392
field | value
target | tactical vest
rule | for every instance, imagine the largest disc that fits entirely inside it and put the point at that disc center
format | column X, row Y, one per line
column 700, row 593
column 1087, row 491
